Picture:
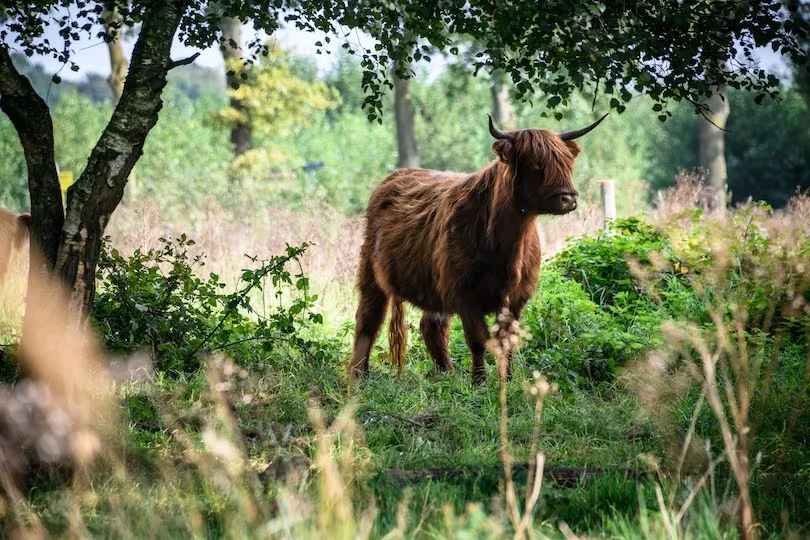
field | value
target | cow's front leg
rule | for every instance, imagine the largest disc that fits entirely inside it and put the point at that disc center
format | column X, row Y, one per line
column 476, row 334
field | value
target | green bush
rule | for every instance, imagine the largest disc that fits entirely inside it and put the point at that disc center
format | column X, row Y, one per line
column 575, row 339
column 600, row 264
column 156, row 301
column 602, row 299
column 592, row 315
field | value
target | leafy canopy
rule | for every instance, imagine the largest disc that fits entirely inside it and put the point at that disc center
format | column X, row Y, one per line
column 671, row 50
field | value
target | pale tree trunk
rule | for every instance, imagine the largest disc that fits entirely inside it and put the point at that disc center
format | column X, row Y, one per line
column 712, row 148
column 503, row 110
column 31, row 118
column 404, row 113
column 231, row 45
column 118, row 74
column 118, row 60
column 99, row 189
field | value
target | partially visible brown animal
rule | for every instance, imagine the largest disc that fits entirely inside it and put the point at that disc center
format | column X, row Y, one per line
column 14, row 232
column 459, row 243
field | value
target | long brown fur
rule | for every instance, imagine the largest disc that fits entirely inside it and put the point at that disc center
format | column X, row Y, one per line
column 458, row 243
column 14, row 232
column 398, row 335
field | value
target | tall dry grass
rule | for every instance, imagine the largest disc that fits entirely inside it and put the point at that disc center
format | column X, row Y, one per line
column 61, row 421
column 12, row 293
column 64, row 414
column 226, row 240
column 735, row 360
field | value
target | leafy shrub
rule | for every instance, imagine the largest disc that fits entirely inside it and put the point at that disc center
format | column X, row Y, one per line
column 156, row 300
column 602, row 299
column 593, row 315
column 576, row 340
column 600, row 264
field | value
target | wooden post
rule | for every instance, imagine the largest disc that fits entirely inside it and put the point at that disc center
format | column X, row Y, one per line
column 608, row 200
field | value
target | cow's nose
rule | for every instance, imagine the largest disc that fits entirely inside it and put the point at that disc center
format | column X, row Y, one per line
column 568, row 201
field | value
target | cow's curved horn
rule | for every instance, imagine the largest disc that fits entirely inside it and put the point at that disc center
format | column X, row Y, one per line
column 497, row 133
column 571, row 135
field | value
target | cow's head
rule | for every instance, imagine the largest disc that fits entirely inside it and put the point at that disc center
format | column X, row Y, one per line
column 541, row 164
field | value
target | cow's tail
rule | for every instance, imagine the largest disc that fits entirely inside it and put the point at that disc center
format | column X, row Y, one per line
column 398, row 334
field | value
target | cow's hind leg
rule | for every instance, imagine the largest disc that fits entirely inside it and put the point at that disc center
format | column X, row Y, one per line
column 369, row 318
column 477, row 334
column 435, row 329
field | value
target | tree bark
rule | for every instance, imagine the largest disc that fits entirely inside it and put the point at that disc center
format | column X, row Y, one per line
column 99, row 189
column 31, row 118
column 503, row 111
column 408, row 150
column 118, row 74
column 712, row 149
column 241, row 133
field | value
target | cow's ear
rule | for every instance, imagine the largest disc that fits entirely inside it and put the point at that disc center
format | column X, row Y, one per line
column 25, row 220
column 504, row 149
column 574, row 147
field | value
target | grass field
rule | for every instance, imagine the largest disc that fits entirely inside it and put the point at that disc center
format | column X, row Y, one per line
column 664, row 385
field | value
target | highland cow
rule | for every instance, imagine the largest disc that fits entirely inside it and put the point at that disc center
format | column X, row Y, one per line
column 14, row 232
column 459, row 243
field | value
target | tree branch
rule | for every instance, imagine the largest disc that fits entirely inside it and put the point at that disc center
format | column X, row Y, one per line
column 702, row 107
column 31, row 118
column 183, row 62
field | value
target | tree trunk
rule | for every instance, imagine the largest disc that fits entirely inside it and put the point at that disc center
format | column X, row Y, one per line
column 118, row 61
column 405, row 118
column 118, row 74
column 712, row 149
column 503, row 111
column 31, row 118
column 92, row 199
column 241, row 134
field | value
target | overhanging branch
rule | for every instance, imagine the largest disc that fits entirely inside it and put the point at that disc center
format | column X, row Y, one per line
column 31, row 118
column 183, row 62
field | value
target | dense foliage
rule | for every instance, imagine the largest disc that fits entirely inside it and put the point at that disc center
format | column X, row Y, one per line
column 767, row 144
column 767, row 147
column 603, row 299
column 156, row 301
column 670, row 51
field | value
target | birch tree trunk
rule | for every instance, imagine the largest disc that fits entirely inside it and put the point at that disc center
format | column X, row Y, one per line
column 713, row 149
column 241, row 133
column 118, row 74
column 99, row 189
column 404, row 113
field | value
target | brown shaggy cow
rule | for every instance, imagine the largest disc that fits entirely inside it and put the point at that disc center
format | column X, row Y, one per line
column 460, row 243
column 13, row 236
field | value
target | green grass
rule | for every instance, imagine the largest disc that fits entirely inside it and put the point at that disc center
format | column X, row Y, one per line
column 185, row 458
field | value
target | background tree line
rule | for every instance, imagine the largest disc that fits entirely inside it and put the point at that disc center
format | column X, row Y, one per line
column 291, row 115
column 670, row 52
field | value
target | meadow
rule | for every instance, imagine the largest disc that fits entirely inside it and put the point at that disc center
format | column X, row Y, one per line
column 660, row 387
column 660, row 390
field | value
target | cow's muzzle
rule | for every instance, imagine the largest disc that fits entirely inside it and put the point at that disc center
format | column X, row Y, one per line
column 566, row 202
